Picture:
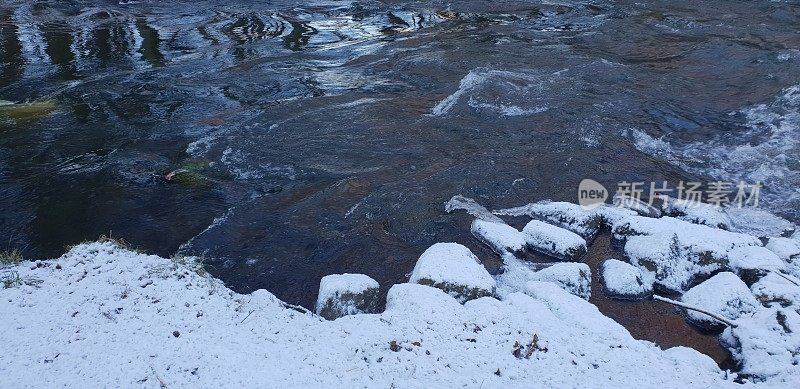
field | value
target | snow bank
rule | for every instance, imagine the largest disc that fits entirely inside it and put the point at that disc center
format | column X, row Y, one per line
column 724, row 294
column 625, row 281
column 454, row 269
column 102, row 316
column 554, row 241
column 347, row 294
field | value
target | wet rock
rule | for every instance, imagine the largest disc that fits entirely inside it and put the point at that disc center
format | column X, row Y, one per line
column 586, row 223
column 724, row 294
column 500, row 237
column 454, row 269
column 347, row 294
column 676, row 251
column 554, row 241
column 751, row 263
column 575, row 278
column 622, row 280
column 696, row 212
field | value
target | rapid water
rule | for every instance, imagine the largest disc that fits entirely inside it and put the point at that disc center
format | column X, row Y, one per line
column 309, row 138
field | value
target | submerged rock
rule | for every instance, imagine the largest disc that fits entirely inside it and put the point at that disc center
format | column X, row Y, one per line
column 676, row 251
column 751, row 263
column 624, row 281
column 347, row 294
column 575, row 278
column 554, row 241
column 586, row 223
column 500, row 237
column 454, row 269
column 723, row 294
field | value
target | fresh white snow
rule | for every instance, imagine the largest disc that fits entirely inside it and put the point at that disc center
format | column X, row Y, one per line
column 342, row 293
column 106, row 317
column 455, row 269
column 625, row 281
column 554, row 241
column 724, row 294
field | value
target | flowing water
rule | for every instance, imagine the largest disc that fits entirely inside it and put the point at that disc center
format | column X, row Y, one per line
column 309, row 138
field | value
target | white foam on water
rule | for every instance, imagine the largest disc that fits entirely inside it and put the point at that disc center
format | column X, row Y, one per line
column 771, row 154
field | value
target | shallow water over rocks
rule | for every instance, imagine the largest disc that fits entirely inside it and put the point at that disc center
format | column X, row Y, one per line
column 310, row 138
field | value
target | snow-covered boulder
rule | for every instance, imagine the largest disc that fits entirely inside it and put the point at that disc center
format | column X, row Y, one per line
column 767, row 346
column 777, row 290
column 347, row 294
column 675, row 250
column 696, row 212
column 454, row 269
column 724, row 294
column 788, row 249
column 572, row 217
column 500, row 237
column 554, row 241
column 751, row 263
column 573, row 277
column 758, row 222
column 637, row 206
column 624, row 281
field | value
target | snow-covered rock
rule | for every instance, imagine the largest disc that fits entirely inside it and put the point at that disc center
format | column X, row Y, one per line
column 758, row 222
column 347, row 294
column 586, row 223
column 675, row 250
column 776, row 289
column 500, row 237
column 751, row 263
column 723, row 294
column 788, row 249
column 696, row 212
column 554, row 241
column 624, row 281
column 767, row 345
column 454, row 269
column 113, row 318
column 575, row 278
column 636, row 205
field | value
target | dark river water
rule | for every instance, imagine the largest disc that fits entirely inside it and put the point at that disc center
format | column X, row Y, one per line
column 309, row 138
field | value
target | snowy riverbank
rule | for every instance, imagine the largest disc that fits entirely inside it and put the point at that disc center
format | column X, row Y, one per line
column 104, row 316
